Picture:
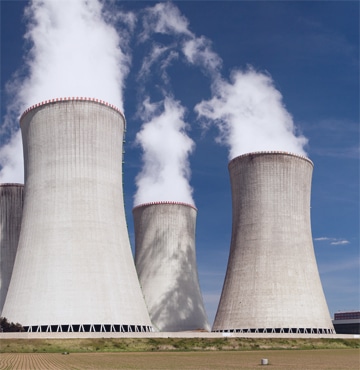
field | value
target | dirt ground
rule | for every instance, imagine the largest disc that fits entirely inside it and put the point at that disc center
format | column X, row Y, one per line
column 339, row 359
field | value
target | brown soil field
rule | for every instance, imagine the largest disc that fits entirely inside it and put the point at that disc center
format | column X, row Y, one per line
column 330, row 359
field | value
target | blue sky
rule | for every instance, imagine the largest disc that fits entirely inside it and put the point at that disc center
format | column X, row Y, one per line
column 309, row 50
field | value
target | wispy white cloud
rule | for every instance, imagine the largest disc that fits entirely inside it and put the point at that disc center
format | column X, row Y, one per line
column 332, row 241
column 340, row 242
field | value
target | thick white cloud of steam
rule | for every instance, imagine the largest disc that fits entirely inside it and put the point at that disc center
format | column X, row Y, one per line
column 251, row 116
column 75, row 51
column 166, row 148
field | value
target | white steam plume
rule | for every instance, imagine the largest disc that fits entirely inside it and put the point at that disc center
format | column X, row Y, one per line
column 251, row 115
column 166, row 148
column 74, row 51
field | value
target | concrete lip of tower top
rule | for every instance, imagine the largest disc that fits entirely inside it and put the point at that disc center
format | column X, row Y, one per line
column 270, row 152
column 162, row 202
column 69, row 99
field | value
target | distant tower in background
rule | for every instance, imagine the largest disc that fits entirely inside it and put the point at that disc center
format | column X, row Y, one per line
column 11, row 202
column 74, row 270
column 165, row 260
column 272, row 282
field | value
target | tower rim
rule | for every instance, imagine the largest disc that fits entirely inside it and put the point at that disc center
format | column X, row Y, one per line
column 162, row 202
column 270, row 152
column 70, row 99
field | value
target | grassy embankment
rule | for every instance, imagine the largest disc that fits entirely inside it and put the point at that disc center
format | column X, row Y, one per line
column 169, row 344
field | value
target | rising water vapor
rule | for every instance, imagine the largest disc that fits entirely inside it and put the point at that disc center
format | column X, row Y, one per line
column 74, row 51
column 251, row 116
column 165, row 174
column 166, row 148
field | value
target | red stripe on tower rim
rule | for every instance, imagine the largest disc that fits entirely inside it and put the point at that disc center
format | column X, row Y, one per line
column 271, row 152
column 59, row 100
column 170, row 202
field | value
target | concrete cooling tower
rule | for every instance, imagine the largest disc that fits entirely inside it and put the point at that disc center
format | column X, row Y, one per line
column 74, row 270
column 272, row 282
column 11, row 202
column 165, row 260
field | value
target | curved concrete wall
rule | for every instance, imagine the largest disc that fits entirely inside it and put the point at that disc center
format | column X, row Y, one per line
column 272, row 281
column 74, row 269
column 11, row 202
column 166, row 264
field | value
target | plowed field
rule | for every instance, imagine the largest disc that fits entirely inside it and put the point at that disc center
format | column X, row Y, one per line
column 288, row 359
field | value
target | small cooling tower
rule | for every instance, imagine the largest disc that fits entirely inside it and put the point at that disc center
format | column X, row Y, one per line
column 74, row 270
column 11, row 201
column 166, row 264
column 272, row 282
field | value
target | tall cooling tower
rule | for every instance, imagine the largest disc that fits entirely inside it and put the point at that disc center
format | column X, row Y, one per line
column 11, row 202
column 272, row 282
column 165, row 260
column 74, row 270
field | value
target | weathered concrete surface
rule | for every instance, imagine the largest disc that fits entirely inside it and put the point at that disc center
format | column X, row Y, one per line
column 11, row 202
column 165, row 260
column 272, row 280
column 74, row 263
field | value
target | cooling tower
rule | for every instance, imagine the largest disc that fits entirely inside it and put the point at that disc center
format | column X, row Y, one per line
column 11, row 202
column 165, row 260
column 74, row 270
column 272, row 282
